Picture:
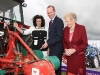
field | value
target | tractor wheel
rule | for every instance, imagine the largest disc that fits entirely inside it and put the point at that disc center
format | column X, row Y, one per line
column 95, row 62
column 99, row 58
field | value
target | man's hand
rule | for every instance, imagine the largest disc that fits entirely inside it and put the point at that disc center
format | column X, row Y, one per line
column 45, row 45
column 48, row 50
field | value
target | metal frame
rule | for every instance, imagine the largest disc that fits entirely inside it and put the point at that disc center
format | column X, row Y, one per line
column 16, row 2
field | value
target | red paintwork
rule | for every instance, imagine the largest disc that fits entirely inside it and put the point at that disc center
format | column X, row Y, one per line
column 24, row 64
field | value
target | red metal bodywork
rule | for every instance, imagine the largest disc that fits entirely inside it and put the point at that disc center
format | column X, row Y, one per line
column 27, row 65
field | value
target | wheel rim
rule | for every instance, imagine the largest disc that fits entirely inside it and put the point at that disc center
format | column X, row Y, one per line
column 96, row 62
column 99, row 57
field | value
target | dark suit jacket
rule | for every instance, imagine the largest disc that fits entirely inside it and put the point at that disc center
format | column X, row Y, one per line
column 79, row 43
column 56, row 37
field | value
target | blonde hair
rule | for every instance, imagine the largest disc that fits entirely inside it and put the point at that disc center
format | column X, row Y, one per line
column 71, row 16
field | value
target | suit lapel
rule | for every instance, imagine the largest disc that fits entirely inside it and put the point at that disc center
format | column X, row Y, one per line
column 67, row 34
column 75, row 32
column 54, row 21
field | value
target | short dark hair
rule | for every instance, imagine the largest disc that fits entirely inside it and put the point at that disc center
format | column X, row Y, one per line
column 52, row 7
column 38, row 17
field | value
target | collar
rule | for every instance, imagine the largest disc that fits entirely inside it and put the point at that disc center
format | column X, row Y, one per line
column 53, row 18
column 39, row 28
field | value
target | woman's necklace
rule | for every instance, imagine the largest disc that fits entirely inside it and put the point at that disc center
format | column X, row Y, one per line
column 71, row 29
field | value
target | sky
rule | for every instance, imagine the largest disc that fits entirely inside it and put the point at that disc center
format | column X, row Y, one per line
column 87, row 11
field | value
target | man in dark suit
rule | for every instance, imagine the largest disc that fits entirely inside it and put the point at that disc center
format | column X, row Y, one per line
column 55, row 36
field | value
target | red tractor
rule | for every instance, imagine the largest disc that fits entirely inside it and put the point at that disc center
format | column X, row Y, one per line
column 12, row 58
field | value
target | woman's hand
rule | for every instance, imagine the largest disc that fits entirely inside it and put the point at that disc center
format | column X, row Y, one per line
column 69, row 52
column 15, row 25
column 72, row 51
column 18, row 28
